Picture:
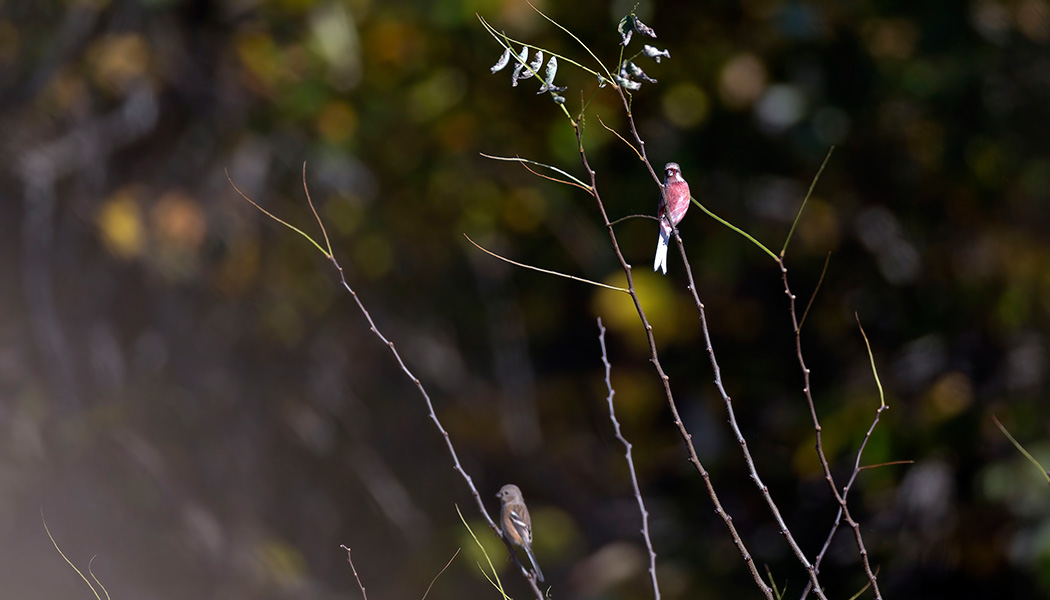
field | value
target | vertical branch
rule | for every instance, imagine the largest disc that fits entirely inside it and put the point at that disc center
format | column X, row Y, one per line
column 845, row 493
column 840, row 498
column 630, row 463
column 655, row 359
column 752, row 471
column 774, row 510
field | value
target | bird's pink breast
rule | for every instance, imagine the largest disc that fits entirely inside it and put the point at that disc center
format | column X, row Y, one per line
column 677, row 200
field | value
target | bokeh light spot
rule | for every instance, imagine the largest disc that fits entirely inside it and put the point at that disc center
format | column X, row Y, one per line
column 780, row 107
column 118, row 60
column 524, row 210
column 742, row 81
column 337, row 122
column 686, row 105
column 120, row 224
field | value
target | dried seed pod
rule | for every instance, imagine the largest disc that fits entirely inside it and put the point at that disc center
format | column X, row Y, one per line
column 519, row 63
column 548, row 77
column 536, row 62
column 627, row 83
column 502, row 62
column 626, row 29
column 642, row 28
column 638, row 72
column 655, row 53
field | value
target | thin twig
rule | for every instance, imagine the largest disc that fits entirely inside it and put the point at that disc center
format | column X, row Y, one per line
column 871, row 357
column 525, row 161
column 638, row 138
column 275, row 217
column 554, row 179
column 1021, row 449
column 630, row 462
column 573, row 36
column 549, row 272
column 889, row 463
column 313, row 209
column 443, row 569
column 622, row 219
column 350, row 560
column 816, row 289
column 617, row 134
column 92, row 573
column 747, row 235
column 494, row 580
column 802, row 207
column 69, row 562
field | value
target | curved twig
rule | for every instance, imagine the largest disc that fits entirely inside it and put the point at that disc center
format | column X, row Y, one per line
column 524, row 161
column 547, row 271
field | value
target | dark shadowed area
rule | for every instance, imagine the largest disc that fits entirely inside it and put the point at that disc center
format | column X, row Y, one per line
column 190, row 397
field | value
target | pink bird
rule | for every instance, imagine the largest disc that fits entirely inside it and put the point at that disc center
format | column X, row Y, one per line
column 673, row 204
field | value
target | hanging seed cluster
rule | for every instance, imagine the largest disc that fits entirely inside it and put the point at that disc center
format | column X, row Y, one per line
column 523, row 70
column 629, row 77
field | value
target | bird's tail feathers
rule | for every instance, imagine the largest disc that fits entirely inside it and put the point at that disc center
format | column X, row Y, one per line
column 532, row 559
column 661, row 252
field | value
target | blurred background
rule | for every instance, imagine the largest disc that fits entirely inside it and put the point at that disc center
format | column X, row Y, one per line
column 189, row 396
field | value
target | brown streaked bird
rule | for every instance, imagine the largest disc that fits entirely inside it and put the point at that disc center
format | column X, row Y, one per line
column 516, row 523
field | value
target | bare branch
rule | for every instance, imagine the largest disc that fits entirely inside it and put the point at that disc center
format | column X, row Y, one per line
column 456, row 465
column 350, row 560
column 655, row 359
column 630, row 462
column 734, row 425
column 839, row 497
